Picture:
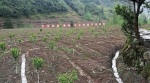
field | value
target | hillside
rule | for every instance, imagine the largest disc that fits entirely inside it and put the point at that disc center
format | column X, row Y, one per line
column 33, row 13
column 19, row 8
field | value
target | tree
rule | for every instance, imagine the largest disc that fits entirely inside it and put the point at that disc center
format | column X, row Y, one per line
column 133, row 49
column 137, row 10
column 88, row 15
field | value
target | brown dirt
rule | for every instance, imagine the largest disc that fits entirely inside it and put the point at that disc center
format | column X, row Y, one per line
column 92, row 58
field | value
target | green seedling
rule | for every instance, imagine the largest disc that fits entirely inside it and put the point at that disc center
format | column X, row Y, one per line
column 34, row 35
column 92, row 30
column 73, row 44
column 20, row 40
column 15, row 53
column 81, row 32
column 52, row 47
column 96, row 34
column 45, row 40
column 11, row 36
column 32, row 39
column 2, row 37
column 68, row 77
column 59, row 32
column 2, row 49
column 105, row 31
column 57, row 38
column 38, row 63
column 69, row 33
column 41, row 31
column 67, row 49
column 78, row 36
column 2, row 46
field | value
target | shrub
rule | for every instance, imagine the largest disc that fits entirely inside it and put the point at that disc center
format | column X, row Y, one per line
column 2, row 46
column 8, row 24
column 68, row 77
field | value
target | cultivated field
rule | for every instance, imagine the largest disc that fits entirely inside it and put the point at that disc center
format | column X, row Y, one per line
column 87, row 50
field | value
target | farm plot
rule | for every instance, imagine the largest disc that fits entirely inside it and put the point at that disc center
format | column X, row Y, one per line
column 84, row 53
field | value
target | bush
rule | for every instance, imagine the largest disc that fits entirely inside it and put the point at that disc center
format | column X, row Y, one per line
column 8, row 24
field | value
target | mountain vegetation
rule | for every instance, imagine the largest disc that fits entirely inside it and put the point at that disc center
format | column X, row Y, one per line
column 26, row 8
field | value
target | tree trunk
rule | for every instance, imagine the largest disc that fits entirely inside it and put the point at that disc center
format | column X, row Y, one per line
column 136, row 28
column 16, row 67
column 38, row 76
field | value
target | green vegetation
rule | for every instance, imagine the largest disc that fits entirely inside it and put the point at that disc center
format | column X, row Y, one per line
column 8, row 24
column 76, row 5
column 9, row 8
column 52, row 47
column 32, row 39
column 15, row 53
column 87, row 9
column 38, row 63
column 73, row 45
column 45, row 40
column 68, row 77
column 133, row 49
column 2, row 46
column 20, row 40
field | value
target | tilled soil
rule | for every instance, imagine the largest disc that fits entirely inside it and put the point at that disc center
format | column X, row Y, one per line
column 91, row 59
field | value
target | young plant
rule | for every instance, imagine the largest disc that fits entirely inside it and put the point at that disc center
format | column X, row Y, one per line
column 95, row 34
column 32, row 39
column 34, row 35
column 2, row 46
column 73, row 44
column 47, row 33
column 59, row 32
column 20, row 40
column 52, row 47
column 92, row 30
column 69, row 33
column 11, row 36
column 38, row 63
column 105, row 31
column 78, row 36
column 2, row 38
column 68, row 77
column 41, row 31
column 57, row 38
column 15, row 53
column 2, row 49
column 45, row 40
column 81, row 32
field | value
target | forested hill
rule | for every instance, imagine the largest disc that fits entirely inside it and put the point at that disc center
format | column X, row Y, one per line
column 19, row 8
